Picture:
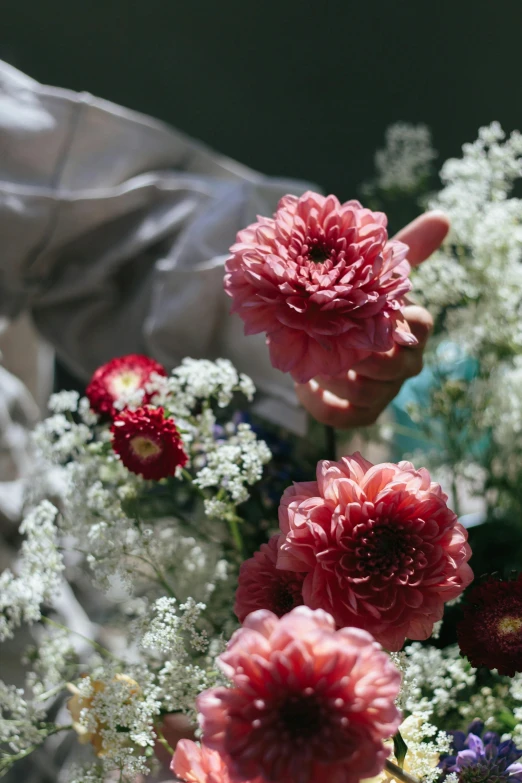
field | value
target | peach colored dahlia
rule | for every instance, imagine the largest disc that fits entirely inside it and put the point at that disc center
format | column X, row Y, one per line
column 382, row 549
column 261, row 585
column 307, row 703
column 195, row 763
column 323, row 281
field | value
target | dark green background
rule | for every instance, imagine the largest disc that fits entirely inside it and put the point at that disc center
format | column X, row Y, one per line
column 290, row 87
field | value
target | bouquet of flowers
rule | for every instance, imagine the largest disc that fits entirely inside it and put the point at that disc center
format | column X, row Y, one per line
column 242, row 645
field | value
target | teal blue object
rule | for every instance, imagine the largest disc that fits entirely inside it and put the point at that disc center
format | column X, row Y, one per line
column 452, row 363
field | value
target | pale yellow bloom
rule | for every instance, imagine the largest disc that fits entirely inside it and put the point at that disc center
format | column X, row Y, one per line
column 79, row 702
column 419, row 756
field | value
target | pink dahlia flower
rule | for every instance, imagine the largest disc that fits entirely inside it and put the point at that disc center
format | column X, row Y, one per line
column 307, row 703
column 323, row 281
column 262, row 585
column 195, row 763
column 382, row 549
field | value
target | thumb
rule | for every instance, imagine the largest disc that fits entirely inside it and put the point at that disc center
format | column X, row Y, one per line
column 420, row 323
column 424, row 235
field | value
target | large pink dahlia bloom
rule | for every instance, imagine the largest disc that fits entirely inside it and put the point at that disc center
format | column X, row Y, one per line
column 307, row 703
column 323, row 281
column 382, row 549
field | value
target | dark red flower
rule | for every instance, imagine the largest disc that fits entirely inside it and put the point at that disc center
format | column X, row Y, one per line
column 490, row 632
column 148, row 443
column 263, row 586
column 120, row 376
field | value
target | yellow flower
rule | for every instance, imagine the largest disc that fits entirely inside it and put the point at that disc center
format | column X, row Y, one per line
column 79, row 702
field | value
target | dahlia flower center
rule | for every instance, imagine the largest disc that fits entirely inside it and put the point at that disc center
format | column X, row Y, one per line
column 124, row 382
column 509, row 625
column 483, row 771
column 286, row 596
column 320, row 249
column 501, row 625
column 389, row 549
column 145, row 448
column 318, row 254
column 301, row 716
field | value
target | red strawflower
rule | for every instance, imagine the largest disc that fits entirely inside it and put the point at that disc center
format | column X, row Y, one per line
column 323, row 281
column 490, row 632
column 262, row 585
column 148, row 443
column 307, row 703
column 120, row 376
column 382, row 549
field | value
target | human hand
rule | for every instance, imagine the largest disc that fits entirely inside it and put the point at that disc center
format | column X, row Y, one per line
column 357, row 398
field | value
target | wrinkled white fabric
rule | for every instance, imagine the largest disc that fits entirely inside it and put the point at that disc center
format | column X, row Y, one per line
column 113, row 231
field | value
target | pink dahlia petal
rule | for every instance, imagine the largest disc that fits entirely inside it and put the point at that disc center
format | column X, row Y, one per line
column 262, row 585
column 323, row 281
column 381, row 549
column 309, row 704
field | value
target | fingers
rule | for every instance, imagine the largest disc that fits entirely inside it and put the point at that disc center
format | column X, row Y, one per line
column 360, row 391
column 359, row 397
column 424, row 235
column 401, row 362
column 331, row 410
column 420, row 322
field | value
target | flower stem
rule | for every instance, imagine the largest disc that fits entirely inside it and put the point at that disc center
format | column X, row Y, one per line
column 236, row 534
column 455, row 492
column 162, row 741
column 330, row 442
column 102, row 650
column 399, row 774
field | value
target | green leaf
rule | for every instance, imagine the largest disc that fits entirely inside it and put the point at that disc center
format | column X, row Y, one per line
column 400, row 749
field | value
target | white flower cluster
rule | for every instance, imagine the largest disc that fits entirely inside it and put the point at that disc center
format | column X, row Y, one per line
column 197, row 380
column 434, row 679
column 159, row 546
column 233, row 466
column 516, row 695
column 39, row 571
column 20, row 723
column 425, row 744
column 179, row 651
column 52, row 660
column 503, row 414
column 94, row 773
column 479, row 266
column 169, row 625
column 125, row 528
column 406, row 160
column 118, row 713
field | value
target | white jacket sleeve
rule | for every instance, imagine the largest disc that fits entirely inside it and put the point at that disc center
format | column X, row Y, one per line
column 114, row 229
